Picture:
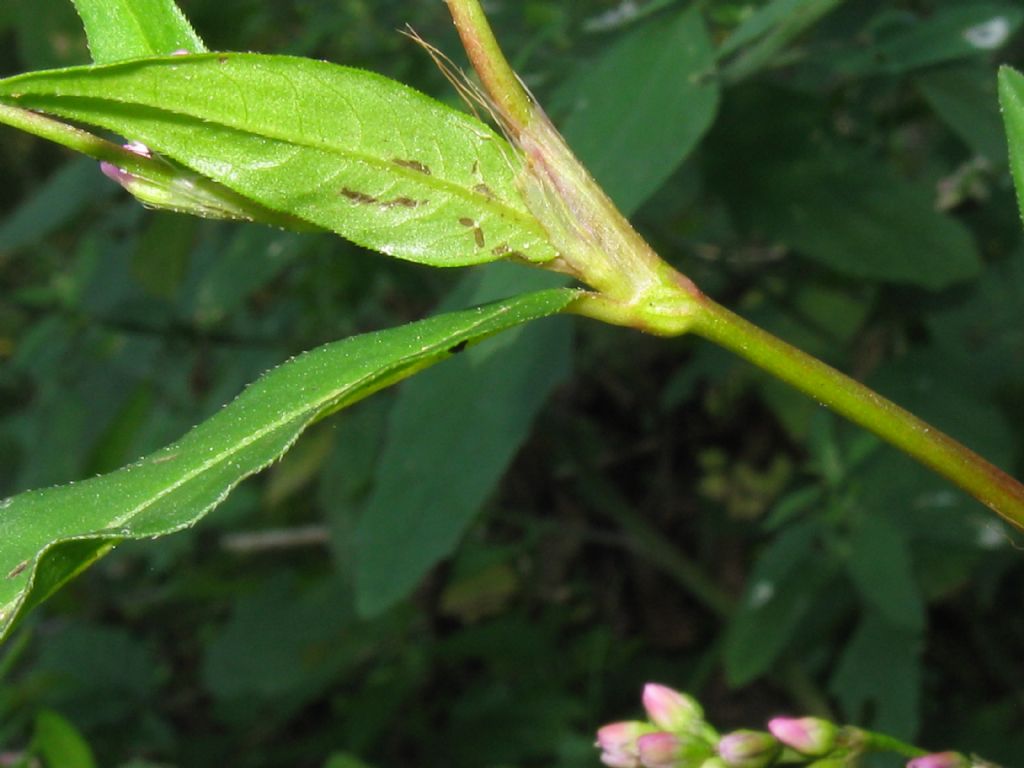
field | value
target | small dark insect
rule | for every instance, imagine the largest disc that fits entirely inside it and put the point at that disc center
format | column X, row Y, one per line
column 20, row 567
column 459, row 347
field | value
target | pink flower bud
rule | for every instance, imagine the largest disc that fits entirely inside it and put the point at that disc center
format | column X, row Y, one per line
column 748, row 749
column 940, row 760
column 119, row 175
column 667, row 750
column 618, row 743
column 671, row 710
column 807, row 735
column 138, row 148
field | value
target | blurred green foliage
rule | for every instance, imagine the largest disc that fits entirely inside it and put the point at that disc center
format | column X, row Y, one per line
column 671, row 515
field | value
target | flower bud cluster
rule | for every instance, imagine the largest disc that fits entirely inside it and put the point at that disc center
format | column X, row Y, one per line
column 676, row 735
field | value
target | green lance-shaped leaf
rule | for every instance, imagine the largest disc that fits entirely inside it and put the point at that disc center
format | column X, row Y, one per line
column 131, row 29
column 1011, row 99
column 49, row 536
column 344, row 149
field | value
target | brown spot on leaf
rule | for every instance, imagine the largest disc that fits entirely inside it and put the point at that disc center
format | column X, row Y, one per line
column 484, row 190
column 414, row 165
column 402, row 202
column 358, row 197
column 478, row 234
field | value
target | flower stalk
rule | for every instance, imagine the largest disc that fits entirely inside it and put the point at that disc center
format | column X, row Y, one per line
column 676, row 735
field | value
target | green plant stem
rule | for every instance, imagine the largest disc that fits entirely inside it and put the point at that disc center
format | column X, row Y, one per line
column 72, row 138
column 499, row 79
column 879, row 742
column 936, row 450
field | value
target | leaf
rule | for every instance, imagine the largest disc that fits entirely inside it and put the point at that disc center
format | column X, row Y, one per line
column 351, row 151
column 132, row 29
column 47, row 537
column 881, row 569
column 60, row 743
column 831, row 202
column 479, row 410
column 763, row 35
column 641, row 108
column 948, row 34
column 1011, row 99
column 781, row 589
column 878, row 678
column 281, row 645
column 964, row 97
column 57, row 201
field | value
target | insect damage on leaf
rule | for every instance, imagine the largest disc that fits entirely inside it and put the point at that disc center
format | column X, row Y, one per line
column 363, row 198
column 478, row 233
column 414, row 165
column 503, row 251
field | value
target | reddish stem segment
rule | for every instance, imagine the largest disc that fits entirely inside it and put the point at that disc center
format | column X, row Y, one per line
column 936, row 450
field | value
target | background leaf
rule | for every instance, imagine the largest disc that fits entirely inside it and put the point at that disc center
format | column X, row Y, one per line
column 877, row 678
column 427, row 492
column 50, row 536
column 370, row 159
column 831, row 202
column 59, row 742
column 638, row 111
column 780, row 593
column 900, row 42
column 879, row 564
column 132, row 29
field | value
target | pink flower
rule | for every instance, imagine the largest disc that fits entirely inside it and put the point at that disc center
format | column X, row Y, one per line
column 671, row 710
column 618, row 743
column 748, row 749
column 807, row 735
column 667, row 750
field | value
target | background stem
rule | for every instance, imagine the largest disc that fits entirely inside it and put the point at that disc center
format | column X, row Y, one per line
column 936, row 450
